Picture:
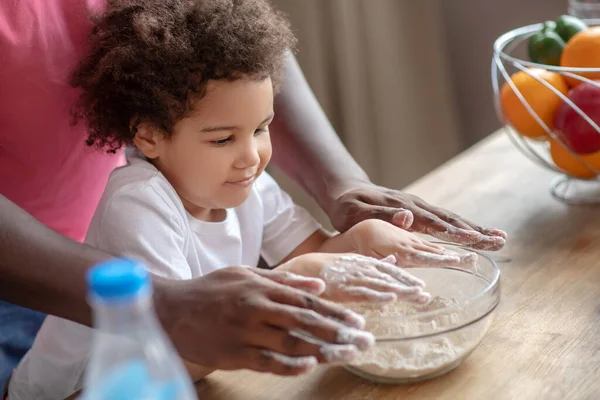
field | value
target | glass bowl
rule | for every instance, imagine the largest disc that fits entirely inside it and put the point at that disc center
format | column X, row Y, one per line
column 415, row 343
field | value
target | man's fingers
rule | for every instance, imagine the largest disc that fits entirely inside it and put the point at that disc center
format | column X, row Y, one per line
column 493, row 239
column 431, row 224
column 303, row 344
column 496, row 232
column 472, row 239
column 450, row 218
column 426, row 258
column 263, row 360
column 321, row 307
column 490, row 239
column 448, row 233
column 490, row 243
column 403, row 218
column 290, row 318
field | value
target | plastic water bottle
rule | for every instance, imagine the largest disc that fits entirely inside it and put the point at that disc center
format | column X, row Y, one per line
column 132, row 358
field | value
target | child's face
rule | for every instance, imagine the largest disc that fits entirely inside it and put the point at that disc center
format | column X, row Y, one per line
column 214, row 156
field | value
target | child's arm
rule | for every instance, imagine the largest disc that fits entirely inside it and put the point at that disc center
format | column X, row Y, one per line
column 373, row 278
column 291, row 236
column 379, row 239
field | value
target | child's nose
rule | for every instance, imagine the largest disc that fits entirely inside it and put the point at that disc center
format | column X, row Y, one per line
column 250, row 156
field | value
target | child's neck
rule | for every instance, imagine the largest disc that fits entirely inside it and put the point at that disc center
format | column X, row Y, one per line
column 205, row 214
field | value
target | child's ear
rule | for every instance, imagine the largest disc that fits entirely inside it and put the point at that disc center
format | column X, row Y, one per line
column 148, row 139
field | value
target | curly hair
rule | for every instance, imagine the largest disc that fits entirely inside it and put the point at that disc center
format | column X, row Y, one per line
column 150, row 58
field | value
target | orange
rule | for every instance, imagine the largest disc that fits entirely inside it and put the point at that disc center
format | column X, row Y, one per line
column 542, row 100
column 566, row 161
column 582, row 51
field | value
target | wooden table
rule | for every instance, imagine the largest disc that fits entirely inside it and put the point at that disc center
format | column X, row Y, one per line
column 545, row 340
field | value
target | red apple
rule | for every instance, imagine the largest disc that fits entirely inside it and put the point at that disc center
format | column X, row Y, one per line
column 576, row 132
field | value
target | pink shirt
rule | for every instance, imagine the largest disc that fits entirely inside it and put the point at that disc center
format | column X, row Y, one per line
column 45, row 166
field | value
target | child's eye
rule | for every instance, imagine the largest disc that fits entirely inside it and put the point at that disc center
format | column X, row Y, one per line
column 260, row 130
column 222, row 142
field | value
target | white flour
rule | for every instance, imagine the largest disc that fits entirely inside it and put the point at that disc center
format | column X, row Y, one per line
column 417, row 357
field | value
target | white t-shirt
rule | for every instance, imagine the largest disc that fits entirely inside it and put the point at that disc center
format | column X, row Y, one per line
column 141, row 216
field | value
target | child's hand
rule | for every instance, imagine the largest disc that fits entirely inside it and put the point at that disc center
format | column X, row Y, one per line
column 357, row 278
column 376, row 238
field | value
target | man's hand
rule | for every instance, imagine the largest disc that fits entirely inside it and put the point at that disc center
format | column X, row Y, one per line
column 238, row 317
column 366, row 201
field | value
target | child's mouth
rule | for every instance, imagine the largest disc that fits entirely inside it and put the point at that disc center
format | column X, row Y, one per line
column 243, row 182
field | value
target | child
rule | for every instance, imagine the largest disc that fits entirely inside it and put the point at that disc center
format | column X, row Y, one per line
column 189, row 84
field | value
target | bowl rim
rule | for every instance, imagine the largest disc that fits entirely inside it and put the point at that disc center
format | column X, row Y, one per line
column 517, row 35
column 492, row 284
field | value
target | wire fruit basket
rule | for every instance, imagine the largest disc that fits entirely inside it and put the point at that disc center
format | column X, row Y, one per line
column 579, row 180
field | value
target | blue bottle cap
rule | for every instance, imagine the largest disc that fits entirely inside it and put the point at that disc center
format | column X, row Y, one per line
column 118, row 278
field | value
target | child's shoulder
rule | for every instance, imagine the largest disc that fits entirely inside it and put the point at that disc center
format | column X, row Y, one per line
column 140, row 182
column 265, row 189
column 137, row 172
column 265, row 183
column 269, row 195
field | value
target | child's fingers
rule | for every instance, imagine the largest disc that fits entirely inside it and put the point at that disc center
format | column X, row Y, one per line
column 400, row 274
column 373, row 290
column 469, row 259
column 421, row 298
column 374, row 273
column 383, row 285
column 433, row 248
column 465, row 257
column 363, row 294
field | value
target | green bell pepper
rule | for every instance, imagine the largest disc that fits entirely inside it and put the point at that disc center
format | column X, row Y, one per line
column 546, row 46
column 567, row 26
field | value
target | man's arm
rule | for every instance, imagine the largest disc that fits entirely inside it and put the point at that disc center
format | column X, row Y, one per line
column 307, row 147
column 308, row 150
column 237, row 312
column 42, row 269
